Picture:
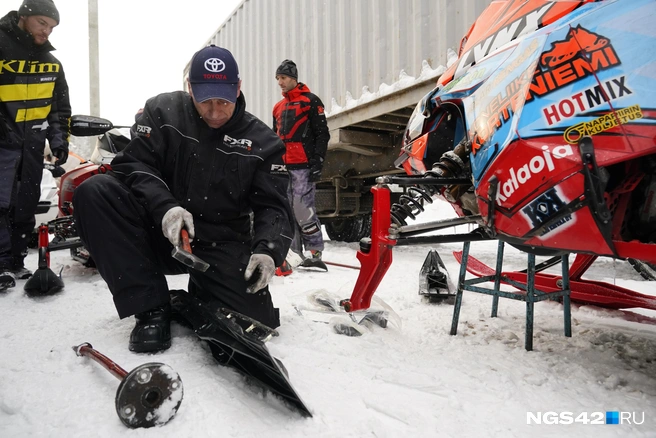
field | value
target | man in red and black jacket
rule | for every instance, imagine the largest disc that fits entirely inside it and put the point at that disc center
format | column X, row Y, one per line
column 300, row 122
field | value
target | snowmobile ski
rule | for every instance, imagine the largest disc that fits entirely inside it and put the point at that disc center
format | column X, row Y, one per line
column 241, row 348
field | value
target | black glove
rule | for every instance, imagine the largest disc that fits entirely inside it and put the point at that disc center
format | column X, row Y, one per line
column 61, row 155
column 56, row 171
column 316, row 164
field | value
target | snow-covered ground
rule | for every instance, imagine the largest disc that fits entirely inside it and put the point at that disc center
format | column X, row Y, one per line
column 415, row 380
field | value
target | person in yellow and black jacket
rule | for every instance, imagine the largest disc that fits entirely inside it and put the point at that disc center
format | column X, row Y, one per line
column 34, row 106
column 300, row 122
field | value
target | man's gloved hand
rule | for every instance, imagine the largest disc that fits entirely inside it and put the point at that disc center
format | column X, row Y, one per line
column 259, row 271
column 316, row 164
column 61, row 155
column 172, row 224
column 56, row 171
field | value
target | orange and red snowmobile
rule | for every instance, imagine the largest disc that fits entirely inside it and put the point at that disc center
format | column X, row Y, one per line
column 542, row 133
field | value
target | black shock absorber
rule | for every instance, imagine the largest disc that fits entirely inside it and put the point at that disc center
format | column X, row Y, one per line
column 411, row 204
column 451, row 164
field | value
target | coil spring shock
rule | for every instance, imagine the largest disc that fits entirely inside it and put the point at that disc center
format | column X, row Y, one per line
column 452, row 163
column 411, row 204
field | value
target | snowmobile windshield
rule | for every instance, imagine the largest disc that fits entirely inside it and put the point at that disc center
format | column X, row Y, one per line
column 423, row 110
column 493, row 109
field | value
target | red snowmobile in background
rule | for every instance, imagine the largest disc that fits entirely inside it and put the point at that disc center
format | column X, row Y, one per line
column 109, row 143
column 542, row 133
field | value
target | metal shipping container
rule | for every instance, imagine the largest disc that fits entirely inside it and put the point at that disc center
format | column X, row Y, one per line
column 340, row 46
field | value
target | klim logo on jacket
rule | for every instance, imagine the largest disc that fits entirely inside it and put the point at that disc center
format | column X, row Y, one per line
column 23, row 66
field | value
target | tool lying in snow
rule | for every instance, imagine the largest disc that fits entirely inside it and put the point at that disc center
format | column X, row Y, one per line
column 434, row 280
column 182, row 253
column 147, row 396
column 237, row 341
column 323, row 306
column 342, row 265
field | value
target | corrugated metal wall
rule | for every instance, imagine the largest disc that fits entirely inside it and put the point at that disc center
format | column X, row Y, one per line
column 340, row 46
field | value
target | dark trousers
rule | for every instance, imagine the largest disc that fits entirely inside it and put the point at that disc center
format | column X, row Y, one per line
column 19, row 197
column 133, row 256
column 14, row 236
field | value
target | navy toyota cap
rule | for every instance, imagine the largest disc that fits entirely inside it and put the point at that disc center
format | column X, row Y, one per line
column 214, row 74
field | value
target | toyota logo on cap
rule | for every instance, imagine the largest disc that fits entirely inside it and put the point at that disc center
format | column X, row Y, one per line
column 215, row 65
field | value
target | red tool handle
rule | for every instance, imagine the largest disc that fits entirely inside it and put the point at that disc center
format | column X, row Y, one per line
column 184, row 235
column 87, row 350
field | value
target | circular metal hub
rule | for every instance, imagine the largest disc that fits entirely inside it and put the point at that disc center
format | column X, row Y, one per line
column 149, row 395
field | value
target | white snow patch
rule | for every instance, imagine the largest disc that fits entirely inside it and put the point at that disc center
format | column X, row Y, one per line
column 404, row 81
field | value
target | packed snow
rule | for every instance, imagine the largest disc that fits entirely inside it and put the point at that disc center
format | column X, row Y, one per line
column 411, row 379
column 404, row 81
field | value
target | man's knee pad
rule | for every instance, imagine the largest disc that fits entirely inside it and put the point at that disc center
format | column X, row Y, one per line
column 311, row 228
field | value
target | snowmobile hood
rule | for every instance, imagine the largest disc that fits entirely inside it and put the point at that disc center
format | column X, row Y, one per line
column 502, row 22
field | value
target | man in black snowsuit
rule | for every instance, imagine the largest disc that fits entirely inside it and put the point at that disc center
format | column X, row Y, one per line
column 199, row 162
column 34, row 106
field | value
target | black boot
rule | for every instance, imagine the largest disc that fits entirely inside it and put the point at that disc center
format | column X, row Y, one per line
column 6, row 280
column 153, row 330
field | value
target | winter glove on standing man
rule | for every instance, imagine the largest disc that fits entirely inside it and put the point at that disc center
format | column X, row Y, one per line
column 61, row 155
column 172, row 224
column 316, row 164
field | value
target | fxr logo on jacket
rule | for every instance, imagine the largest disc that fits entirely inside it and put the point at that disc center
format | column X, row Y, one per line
column 242, row 143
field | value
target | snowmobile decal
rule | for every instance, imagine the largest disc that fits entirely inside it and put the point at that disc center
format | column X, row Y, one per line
column 587, row 99
column 571, row 68
column 601, row 124
column 521, row 26
column 545, row 207
column 578, row 40
column 538, row 165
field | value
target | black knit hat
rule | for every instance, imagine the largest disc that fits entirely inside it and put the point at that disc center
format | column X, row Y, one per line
column 39, row 7
column 287, row 68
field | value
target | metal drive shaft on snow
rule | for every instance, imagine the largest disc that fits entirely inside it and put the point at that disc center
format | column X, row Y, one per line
column 147, row 396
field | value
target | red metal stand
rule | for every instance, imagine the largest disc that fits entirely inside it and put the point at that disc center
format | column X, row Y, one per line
column 375, row 256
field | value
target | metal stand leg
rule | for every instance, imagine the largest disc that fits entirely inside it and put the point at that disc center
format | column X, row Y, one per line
column 523, row 281
column 530, row 302
column 567, row 309
column 461, row 287
column 497, row 278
